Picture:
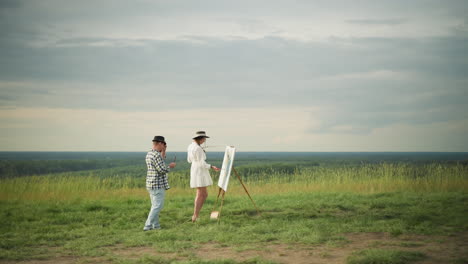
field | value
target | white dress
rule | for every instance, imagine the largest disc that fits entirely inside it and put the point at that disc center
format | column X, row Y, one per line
column 199, row 171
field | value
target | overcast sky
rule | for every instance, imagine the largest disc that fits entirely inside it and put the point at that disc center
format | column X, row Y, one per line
column 260, row 75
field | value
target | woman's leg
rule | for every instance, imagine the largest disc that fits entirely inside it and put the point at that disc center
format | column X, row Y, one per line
column 202, row 193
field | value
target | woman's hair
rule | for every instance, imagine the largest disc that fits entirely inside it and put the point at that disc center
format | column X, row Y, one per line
column 198, row 140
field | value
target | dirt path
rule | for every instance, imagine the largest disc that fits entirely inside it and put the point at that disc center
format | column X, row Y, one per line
column 437, row 249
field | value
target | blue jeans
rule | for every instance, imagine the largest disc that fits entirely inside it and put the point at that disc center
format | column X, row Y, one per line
column 157, row 204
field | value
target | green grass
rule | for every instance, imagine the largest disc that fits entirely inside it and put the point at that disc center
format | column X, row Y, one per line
column 88, row 213
column 29, row 229
column 385, row 256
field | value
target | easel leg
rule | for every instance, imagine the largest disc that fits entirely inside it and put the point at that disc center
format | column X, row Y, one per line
column 238, row 177
column 217, row 197
column 221, row 208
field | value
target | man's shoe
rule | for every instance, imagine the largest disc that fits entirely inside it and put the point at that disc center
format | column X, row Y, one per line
column 155, row 228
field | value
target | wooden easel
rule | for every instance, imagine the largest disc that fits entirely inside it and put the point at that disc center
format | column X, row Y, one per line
column 223, row 192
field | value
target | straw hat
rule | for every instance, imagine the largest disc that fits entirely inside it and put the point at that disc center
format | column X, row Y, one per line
column 200, row 134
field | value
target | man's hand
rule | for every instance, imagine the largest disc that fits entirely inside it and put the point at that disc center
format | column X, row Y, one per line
column 172, row 165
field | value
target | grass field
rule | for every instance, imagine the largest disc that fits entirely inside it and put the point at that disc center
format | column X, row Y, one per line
column 371, row 213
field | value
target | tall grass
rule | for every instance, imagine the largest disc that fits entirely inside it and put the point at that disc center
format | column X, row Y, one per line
column 369, row 178
column 385, row 177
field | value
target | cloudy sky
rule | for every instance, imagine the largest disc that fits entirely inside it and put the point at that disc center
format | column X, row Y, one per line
column 108, row 75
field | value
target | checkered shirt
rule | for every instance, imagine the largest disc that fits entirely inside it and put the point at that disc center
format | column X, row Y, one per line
column 156, row 178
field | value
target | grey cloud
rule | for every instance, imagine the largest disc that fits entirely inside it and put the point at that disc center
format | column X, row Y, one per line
column 388, row 22
column 197, row 71
column 267, row 56
column 57, row 12
column 366, row 104
column 363, row 121
column 7, row 98
column 7, row 4
column 461, row 29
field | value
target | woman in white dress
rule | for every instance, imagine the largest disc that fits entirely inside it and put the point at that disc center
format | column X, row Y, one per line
column 199, row 171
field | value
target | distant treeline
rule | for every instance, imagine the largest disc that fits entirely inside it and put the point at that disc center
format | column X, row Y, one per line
column 249, row 164
column 15, row 168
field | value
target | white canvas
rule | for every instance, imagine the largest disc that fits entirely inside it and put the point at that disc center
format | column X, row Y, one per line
column 227, row 167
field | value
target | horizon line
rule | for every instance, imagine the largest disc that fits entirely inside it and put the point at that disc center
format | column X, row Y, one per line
column 270, row 151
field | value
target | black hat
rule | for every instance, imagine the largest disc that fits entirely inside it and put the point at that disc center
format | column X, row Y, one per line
column 159, row 139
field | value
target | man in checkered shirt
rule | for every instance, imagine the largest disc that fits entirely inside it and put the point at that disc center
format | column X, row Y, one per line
column 156, row 181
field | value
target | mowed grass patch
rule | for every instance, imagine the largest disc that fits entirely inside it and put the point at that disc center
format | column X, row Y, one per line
column 385, row 256
column 91, row 228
